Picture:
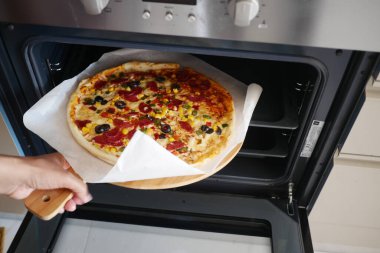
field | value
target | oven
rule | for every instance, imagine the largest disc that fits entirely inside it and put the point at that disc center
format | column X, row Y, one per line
column 312, row 63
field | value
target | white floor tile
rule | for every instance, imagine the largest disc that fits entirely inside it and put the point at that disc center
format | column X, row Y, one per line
column 11, row 222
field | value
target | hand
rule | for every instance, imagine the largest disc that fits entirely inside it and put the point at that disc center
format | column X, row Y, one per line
column 19, row 176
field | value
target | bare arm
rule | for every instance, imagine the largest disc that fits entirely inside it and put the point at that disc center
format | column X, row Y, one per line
column 19, row 176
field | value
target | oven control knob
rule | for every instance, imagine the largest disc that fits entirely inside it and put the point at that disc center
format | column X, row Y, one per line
column 146, row 14
column 94, row 7
column 168, row 16
column 191, row 18
column 243, row 11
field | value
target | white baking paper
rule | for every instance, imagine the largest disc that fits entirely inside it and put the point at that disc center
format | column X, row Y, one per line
column 143, row 158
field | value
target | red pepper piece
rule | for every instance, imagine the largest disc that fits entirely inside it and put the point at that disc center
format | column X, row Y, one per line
column 99, row 84
column 81, row 123
column 131, row 133
column 174, row 102
column 145, row 108
column 175, row 145
column 152, row 86
column 145, row 122
column 186, row 126
column 183, row 75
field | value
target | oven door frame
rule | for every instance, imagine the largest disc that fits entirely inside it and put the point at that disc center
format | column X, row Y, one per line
column 181, row 210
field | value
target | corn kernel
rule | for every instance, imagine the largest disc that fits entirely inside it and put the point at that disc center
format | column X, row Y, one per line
column 168, row 91
column 128, row 88
column 215, row 127
column 140, row 95
column 149, row 131
column 111, row 89
column 97, row 104
column 92, row 90
column 171, row 139
column 158, row 116
column 152, row 113
column 113, row 150
column 192, row 123
column 164, row 110
column 125, row 142
column 191, row 117
column 165, row 100
column 85, row 130
column 125, row 131
column 88, row 125
column 109, row 121
column 190, row 103
column 175, row 91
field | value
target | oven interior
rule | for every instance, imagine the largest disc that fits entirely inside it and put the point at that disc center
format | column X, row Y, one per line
column 289, row 88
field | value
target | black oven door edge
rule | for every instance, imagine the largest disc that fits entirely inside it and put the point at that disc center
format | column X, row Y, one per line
column 180, row 210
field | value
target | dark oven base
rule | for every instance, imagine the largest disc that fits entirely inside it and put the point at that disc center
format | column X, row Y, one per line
column 191, row 211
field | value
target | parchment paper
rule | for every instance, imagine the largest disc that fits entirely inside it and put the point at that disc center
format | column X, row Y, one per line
column 143, row 158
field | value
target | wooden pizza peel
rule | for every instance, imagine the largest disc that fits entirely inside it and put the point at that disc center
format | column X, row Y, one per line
column 46, row 204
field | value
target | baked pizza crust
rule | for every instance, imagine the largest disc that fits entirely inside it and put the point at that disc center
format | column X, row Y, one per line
column 111, row 158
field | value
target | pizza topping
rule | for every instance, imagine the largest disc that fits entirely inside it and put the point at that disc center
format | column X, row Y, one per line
column 175, row 86
column 183, row 75
column 160, row 79
column 88, row 101
column 131, row 95
column 166, row 128
column 133, row 84
column 131, row 133
column 177, row 107
column 145, row 122
column 120, row 104
column 98, row 99
column 152, row 86
column 102, row 128
column 174, row 103
column 186, row 126
column 112, row 137
column 205, row 85
column 100, row 84
column 145, row 108
column 175, row 145
column 81, row 123
column 111, row 110
column 207, row 129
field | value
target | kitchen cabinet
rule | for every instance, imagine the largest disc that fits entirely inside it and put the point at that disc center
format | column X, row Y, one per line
column 345, row 218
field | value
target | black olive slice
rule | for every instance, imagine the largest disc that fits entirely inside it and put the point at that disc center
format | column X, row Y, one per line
column 120, row 104
column 102, row 128
column 166, row 128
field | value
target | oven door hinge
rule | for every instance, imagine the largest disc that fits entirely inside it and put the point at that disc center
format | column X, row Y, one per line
column 290, row 205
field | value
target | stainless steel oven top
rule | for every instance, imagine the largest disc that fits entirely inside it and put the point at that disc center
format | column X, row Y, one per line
column 345, row 24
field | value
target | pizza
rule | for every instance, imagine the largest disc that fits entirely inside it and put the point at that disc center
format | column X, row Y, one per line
column 186, row 112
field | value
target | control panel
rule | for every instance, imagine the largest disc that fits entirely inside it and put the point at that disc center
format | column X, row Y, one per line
column 238, row 12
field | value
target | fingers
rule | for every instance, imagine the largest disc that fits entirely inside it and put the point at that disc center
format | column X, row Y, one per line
column 78, row 187
column 70, row 206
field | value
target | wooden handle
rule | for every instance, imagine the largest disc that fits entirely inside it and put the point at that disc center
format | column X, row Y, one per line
column 46, row 204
